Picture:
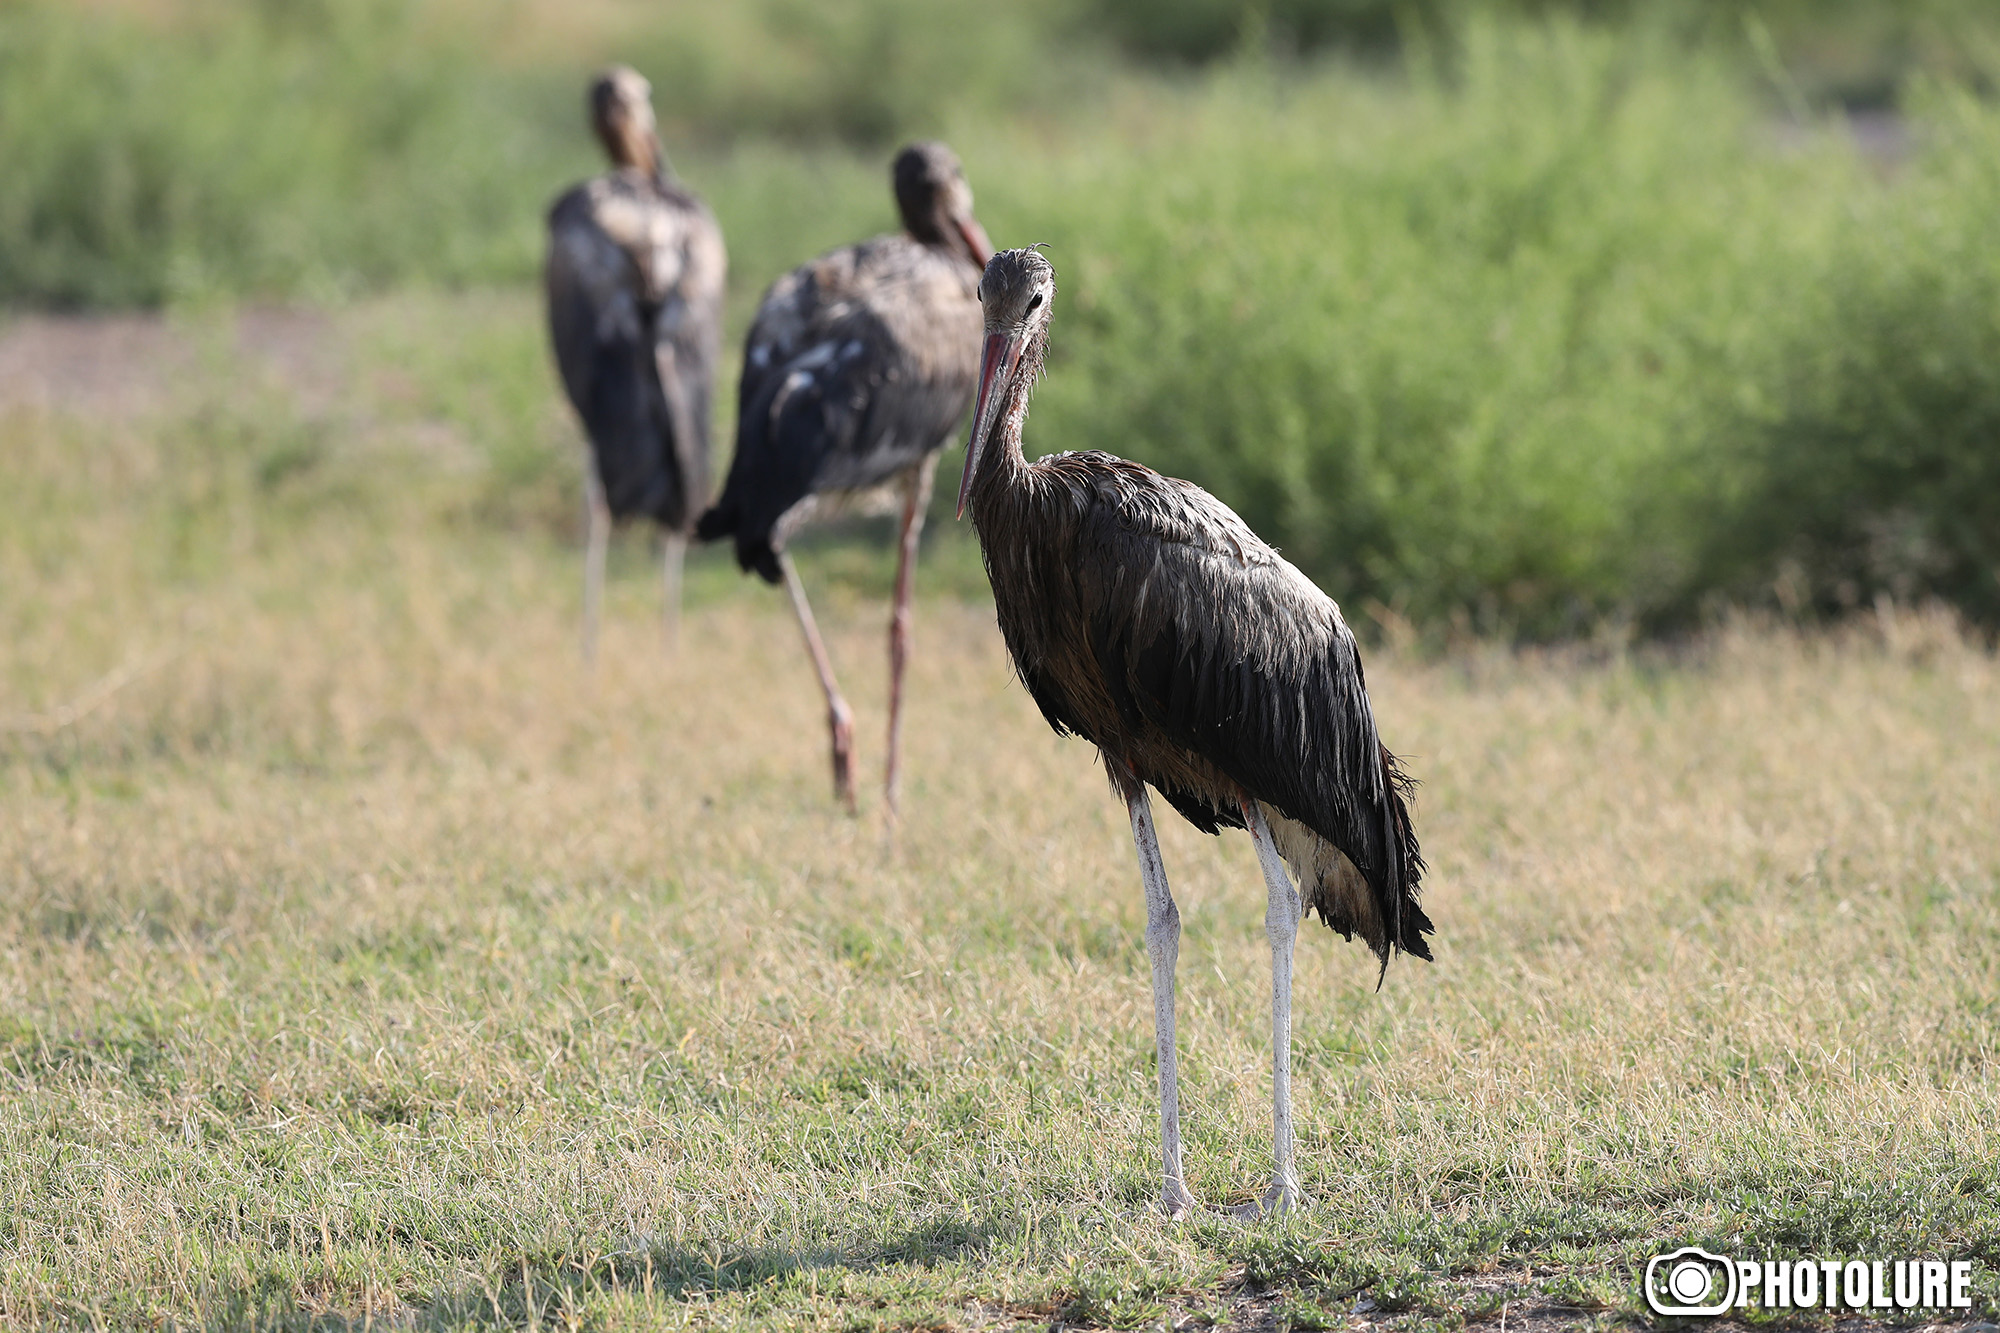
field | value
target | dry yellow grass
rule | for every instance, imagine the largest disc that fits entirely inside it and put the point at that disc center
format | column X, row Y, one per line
column 365, row 956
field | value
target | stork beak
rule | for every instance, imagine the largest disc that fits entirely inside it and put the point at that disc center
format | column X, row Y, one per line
column 997, row 362
column 974, row 236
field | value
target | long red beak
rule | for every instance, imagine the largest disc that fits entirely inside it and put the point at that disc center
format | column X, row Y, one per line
column 975, row 239
column 997, row 362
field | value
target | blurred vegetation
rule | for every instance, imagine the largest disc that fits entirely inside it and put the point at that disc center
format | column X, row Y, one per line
column 284, row 148
column 1855, row 52
column 1523, row 315
column 1861, row 456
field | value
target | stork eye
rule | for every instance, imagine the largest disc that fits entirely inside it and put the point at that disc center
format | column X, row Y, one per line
column 1037, row 301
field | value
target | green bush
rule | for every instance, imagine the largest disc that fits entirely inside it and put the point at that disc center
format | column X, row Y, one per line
column 1844, row 50
column 274, row 148
column 1575, row 330
column 311, row 148
column 859, row 71
column 1870, row 455
column 1452, row 346
column 1197, row 30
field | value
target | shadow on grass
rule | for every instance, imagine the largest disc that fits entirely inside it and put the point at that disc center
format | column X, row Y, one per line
column 557, row 1288
column 546, row 1287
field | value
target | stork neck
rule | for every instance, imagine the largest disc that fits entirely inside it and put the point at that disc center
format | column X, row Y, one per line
column 933, row 229
column 1001, row 459
column 644, row 155
column 630, row 147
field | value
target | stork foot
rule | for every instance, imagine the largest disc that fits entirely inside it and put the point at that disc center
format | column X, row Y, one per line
column 1175, row 1200
column 840, row 720
column 1284, row 1196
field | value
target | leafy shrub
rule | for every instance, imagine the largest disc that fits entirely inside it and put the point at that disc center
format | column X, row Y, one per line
column 862, row 71
column 276, row 147
column 1840, row 50
column 1870, row 462
column 1450, row 345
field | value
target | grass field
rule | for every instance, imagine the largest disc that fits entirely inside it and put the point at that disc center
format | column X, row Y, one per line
column 364, row 959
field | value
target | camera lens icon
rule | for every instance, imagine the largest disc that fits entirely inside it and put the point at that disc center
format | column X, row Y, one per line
column 1690, row 1281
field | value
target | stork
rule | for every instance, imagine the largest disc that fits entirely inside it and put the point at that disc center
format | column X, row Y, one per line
column 1143, row 615
column 859, row 367
column 635, row 274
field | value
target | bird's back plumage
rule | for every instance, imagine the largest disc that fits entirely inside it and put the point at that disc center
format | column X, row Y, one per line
column 1145, row 615
column 634, row 276
column 858, row 365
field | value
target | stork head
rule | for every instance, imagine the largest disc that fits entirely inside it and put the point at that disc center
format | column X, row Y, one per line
column 621, row 111
column 1017, row 292
column 936, row 203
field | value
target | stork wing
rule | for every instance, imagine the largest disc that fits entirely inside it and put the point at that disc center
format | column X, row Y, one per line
column 687, row 345
column 1204, row 633
column 852, row 372
column 634, row 283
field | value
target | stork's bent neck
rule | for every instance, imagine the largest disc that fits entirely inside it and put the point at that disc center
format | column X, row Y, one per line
column 634, row 148
column 1001, row 460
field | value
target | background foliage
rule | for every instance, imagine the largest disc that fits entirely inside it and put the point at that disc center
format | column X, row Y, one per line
column 1516, row 315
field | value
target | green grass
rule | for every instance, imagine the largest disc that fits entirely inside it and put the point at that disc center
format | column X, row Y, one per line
column 368, row 960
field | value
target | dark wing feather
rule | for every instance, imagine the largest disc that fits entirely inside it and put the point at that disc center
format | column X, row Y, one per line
column 1205, row 636
column 634, row 277
column 1050, row 699
column 857, row 366
column 687, row 349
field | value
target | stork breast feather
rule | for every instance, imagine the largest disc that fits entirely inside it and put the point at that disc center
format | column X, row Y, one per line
column 667, row 267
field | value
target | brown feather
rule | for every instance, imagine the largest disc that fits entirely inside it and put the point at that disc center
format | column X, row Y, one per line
column 858, row 367
column 1144, row 615
column 634, row 276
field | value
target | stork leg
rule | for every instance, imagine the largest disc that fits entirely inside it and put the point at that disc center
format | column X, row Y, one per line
column 915, row 502
column 1163, row 947
column 1281, row 924
column 839, row 717
column 597, row 535
column 672, row 560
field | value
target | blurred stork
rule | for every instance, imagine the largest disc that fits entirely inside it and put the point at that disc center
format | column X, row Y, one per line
column 1145, row 616
column 635, row 275
column 859, row 366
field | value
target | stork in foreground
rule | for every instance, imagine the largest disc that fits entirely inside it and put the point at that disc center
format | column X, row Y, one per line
column 857, row 370
column 1145, row 616
column 635, row 273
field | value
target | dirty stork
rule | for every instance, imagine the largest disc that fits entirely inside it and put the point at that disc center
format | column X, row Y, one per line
column 1145, row 616
column 635, row 273
column 857, row 370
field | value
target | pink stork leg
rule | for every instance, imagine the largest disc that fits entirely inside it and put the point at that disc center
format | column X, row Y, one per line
column 915, row 502
column 1281, row 924
column 839, row 717
column 1163, row 947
